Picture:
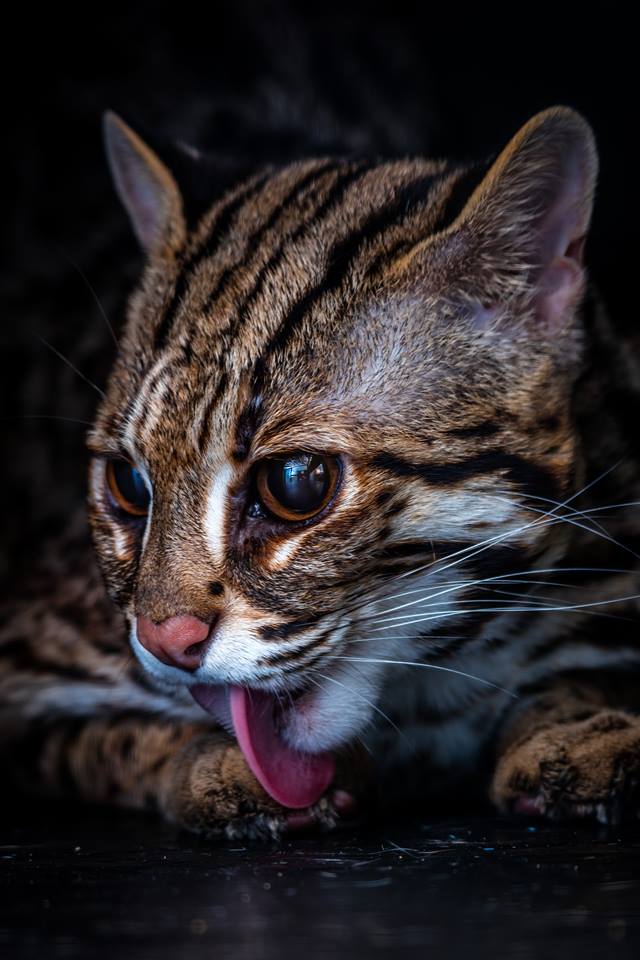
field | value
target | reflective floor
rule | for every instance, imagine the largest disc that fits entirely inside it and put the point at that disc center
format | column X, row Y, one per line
column 90, row 885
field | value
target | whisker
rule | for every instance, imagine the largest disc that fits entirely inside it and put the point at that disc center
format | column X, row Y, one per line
column 47, row 416
column 430, row 637
column 93, row 293
column 441, row 614
column 510, row 498
column 465, row 584
column 373, row 706
column 474, row 549
column 434, row 666
column 71, row 366
column 604, row 534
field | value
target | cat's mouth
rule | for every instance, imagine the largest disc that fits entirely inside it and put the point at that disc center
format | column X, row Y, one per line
column 256, row 719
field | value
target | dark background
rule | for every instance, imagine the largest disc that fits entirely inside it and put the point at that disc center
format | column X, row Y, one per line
column 251, row 82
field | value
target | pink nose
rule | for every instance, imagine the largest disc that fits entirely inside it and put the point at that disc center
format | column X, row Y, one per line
column 178, row 641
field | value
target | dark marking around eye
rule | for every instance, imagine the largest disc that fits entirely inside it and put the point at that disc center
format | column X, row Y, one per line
column 529, row 476
column 383, row 497
column 215, row 588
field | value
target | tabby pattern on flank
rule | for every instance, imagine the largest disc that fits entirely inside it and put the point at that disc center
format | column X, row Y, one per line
column 452, row 586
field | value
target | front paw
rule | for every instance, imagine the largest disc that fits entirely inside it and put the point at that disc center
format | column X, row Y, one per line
column 209, row 789
column 584, row 768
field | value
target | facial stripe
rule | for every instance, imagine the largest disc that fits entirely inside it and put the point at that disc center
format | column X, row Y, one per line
column 528, row 476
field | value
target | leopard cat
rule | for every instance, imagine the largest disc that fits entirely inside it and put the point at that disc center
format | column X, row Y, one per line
column 363, row 492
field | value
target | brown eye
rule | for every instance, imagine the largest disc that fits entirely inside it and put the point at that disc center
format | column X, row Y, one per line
column 298, row 486
column 127, row 487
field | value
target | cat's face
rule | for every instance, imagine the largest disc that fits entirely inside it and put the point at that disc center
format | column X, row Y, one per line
column 333, row 403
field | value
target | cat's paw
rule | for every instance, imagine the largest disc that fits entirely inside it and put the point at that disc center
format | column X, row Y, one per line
column 209, row 789
column 585, row 768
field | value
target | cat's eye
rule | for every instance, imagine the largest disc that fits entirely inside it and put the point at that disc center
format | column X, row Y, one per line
column 297, row 486
column 127, row 487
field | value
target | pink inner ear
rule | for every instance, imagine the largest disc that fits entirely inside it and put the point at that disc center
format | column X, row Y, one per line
column 562, row 235
column 560, row 285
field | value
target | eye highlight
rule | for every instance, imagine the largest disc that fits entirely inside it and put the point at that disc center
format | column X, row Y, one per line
column 127, row 487
column 297, row 486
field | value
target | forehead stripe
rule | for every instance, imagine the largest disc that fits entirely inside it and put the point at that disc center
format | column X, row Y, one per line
column 332, row 201
column 295, row 193
column 220, row 224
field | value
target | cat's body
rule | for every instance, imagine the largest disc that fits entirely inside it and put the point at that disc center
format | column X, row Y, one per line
column 412, row 341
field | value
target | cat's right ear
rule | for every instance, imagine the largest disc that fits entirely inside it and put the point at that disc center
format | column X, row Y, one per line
column 146, row 188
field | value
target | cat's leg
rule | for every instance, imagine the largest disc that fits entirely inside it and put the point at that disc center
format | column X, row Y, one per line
column 192, row 775
column 573, row 750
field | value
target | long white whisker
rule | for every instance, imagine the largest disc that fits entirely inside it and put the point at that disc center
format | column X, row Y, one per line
column 483, row 545
column 596, row 533
column 508, row 497
column 442, row 614
column 474, row 549
column 465, row 584
column 434, row 666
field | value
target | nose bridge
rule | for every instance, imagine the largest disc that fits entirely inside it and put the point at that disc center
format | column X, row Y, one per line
column 176, row 571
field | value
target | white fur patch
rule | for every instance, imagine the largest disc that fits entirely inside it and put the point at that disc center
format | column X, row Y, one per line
column 216, row 512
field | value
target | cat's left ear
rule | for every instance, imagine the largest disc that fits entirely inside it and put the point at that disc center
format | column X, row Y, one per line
column 146, row 188
column 527, row 220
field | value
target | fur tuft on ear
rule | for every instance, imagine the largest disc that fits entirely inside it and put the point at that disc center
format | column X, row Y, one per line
column 531, row 211
column 146, row 188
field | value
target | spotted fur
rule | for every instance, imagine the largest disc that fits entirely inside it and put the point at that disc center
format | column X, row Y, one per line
column 415, row 320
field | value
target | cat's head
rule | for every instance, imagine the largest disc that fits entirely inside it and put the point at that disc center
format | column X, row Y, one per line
column 336, row 400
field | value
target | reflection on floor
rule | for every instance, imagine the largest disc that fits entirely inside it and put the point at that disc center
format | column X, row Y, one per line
column 80, row 884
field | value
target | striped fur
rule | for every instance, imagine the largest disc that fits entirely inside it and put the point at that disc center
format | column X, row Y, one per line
column 396, row 315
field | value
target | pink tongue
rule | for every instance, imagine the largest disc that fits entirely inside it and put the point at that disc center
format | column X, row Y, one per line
column 293, row 779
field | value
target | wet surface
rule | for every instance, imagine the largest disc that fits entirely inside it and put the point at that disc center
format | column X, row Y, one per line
column 91, row 884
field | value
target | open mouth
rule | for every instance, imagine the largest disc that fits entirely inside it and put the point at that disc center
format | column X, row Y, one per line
column 293, row 779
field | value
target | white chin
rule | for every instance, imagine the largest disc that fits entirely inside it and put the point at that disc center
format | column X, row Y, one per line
column 332, row 713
